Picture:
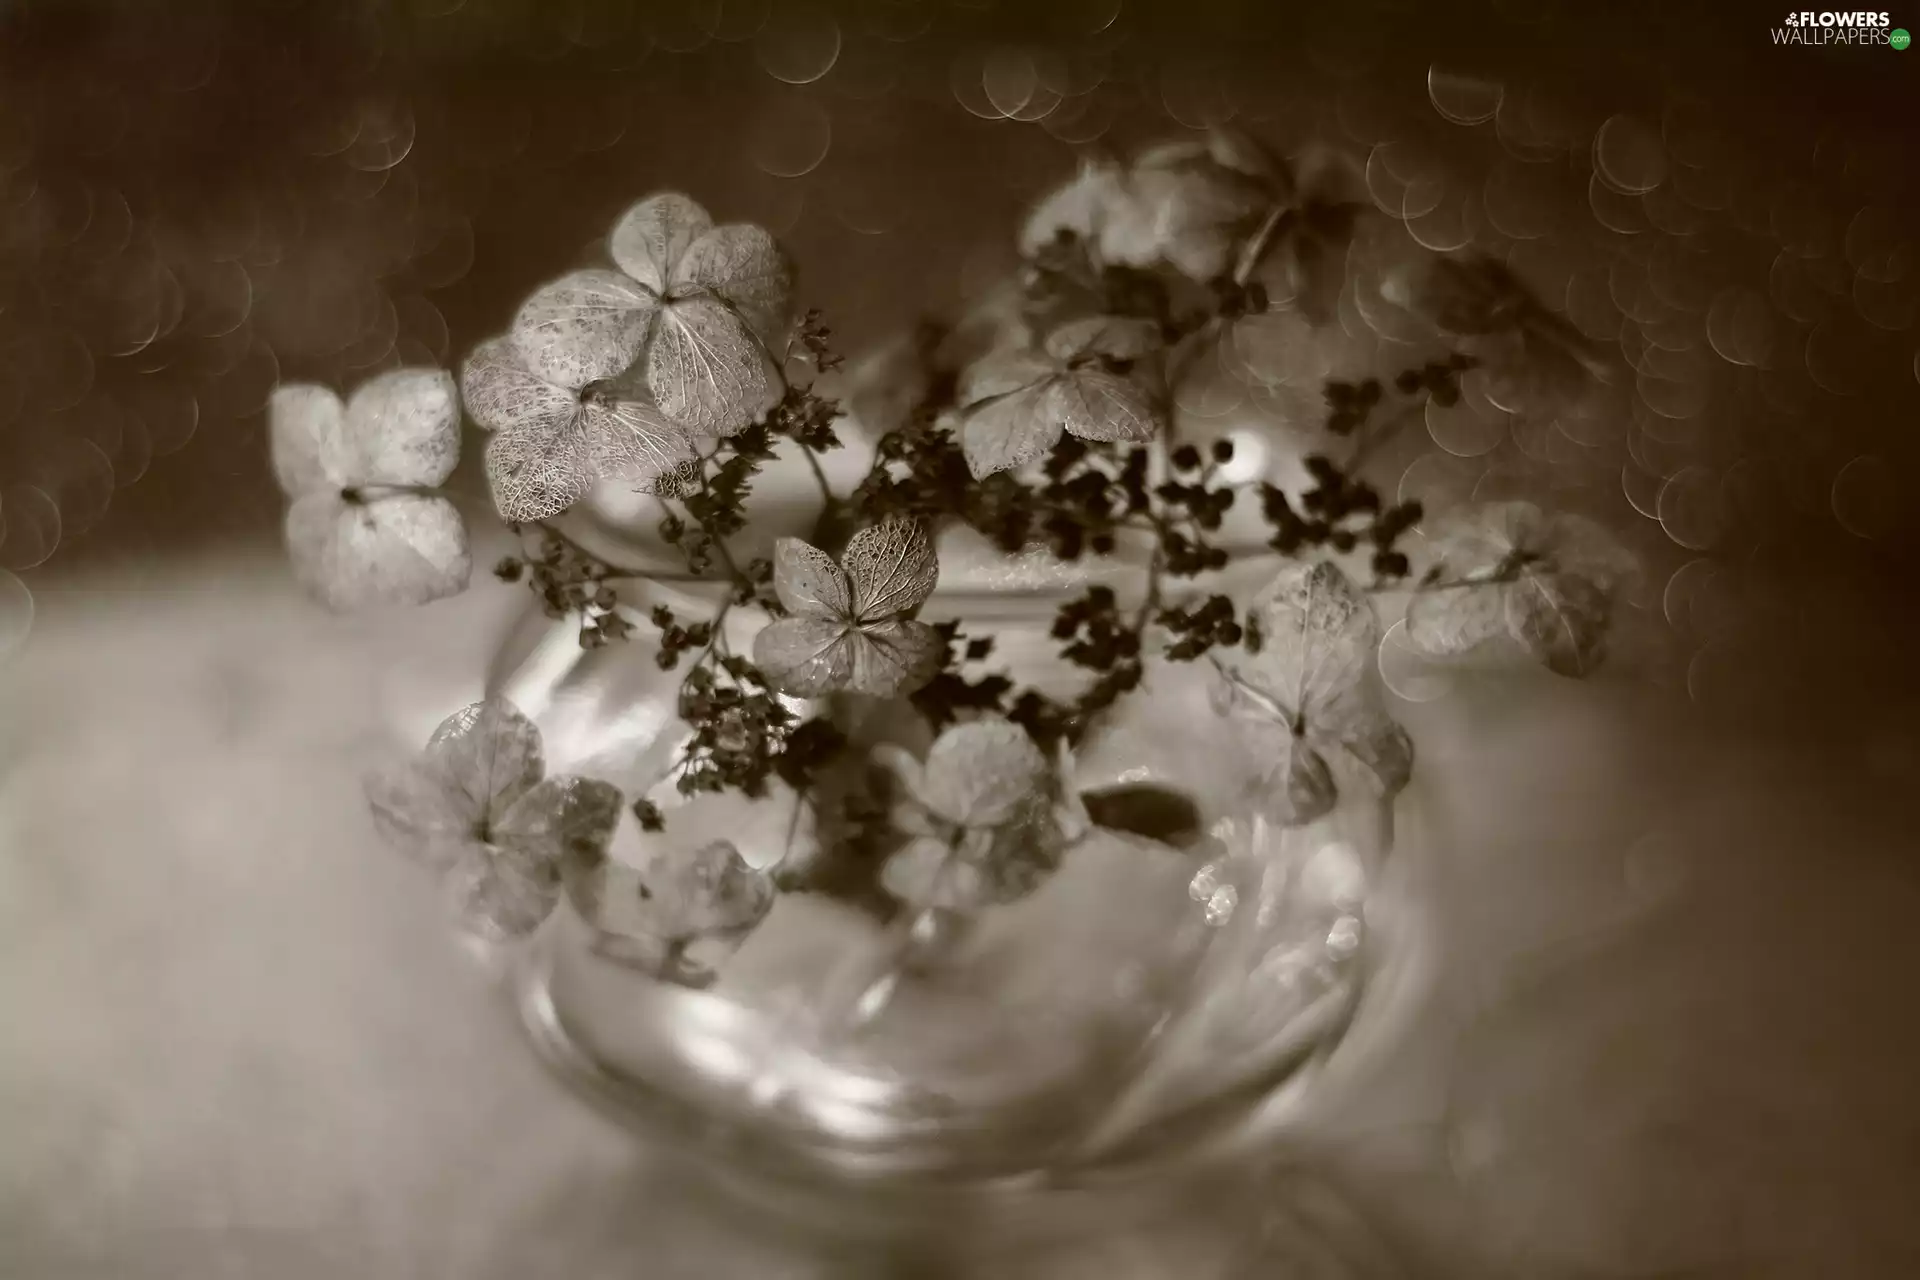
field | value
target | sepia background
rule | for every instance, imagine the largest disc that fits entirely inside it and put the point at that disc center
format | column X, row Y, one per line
column 1668, row 1026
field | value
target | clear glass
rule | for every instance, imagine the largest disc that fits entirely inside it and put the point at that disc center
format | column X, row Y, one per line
column 1103, row 1041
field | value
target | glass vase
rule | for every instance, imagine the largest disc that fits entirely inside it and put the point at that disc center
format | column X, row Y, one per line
column 1085, row 1057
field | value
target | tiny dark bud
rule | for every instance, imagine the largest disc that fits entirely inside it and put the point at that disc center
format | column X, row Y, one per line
column 1407, row 382
column 1186, row 458
column 648, row 814
column 1223, row 451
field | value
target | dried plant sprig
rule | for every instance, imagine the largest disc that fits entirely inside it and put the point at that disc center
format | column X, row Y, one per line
column 1059, row 438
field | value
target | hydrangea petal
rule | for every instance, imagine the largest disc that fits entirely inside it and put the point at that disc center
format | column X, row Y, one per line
column 583, row 327
column 1560, row 619
column 397, row 549
column 745, row 266
column 805, row 657
column 417, row 814
column 560, row 818
column 1009, row 431
column 501, row 394
column 535, row 471
column 1096, row 405
column 894, row 658
column 306, row 423
column 1001, row 373
column 983, row 772
column 635, row 443
column 502, row 895
column 706, row 368
column 403, row 428
column 1300, row 788
column 892, row 568
column 1115, row 337
column 808, row 582
column 652, row 236
column 488, row 754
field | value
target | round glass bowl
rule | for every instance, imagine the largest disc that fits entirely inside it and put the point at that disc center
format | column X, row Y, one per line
column 1092, row 1046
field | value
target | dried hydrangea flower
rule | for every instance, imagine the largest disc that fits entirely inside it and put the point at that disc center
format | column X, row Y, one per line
column 1188, row 205
column 845, row 630
column 983, row 818
column 552, row 442
column 694, row 311
column 1509, row 570
column 676, row 915
column 363, row 528
column 1303, row 692
column 477, row 808
column 1084, row 380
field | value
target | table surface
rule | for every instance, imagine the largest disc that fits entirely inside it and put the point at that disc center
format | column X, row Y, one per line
column 1650, row 1020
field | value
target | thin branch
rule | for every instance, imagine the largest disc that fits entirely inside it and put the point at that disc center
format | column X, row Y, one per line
column 1279, row 218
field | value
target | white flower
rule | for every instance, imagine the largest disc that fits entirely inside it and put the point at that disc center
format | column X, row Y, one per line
column 363, row 527
column 552, row 442
column 477, row 807
column 1303, row 692
column 698, row 312
column 982, row 814
column 845, row 630
column 1016, row 402
column 1187, row 205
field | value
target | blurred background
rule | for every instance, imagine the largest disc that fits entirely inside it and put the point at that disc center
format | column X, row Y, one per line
column 236, row 1047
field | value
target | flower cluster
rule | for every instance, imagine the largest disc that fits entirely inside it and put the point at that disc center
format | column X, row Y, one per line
column 666, row 371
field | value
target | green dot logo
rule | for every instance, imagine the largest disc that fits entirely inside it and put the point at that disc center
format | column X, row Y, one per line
column 1899, row 38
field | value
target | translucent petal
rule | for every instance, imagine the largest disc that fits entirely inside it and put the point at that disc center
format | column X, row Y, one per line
column 1001, row 373
column 805, row 657
column 1009, row 431
column 708, row 370
column 583, row 327
column 1510, row 569
column 1076, row 209
column 305, row 423
column 1095, row 405
column 744, row 266
column 503, row 895
column 501, row 394
column 635, row 443
column 560, row 818
column 809, row 583
column 1561, row 619
column 403, row 428
column 399, row 549
column 651, row 237
column 1382, row 746
column 705, row 890
column 1117, row 337
column 488, row 755
column 1317, row 639
column 419, row 815
column 1300, row 788
column 892, row 568
column 536, row 471
column 891, row 659
column 983, row 773
column 1447, row 620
